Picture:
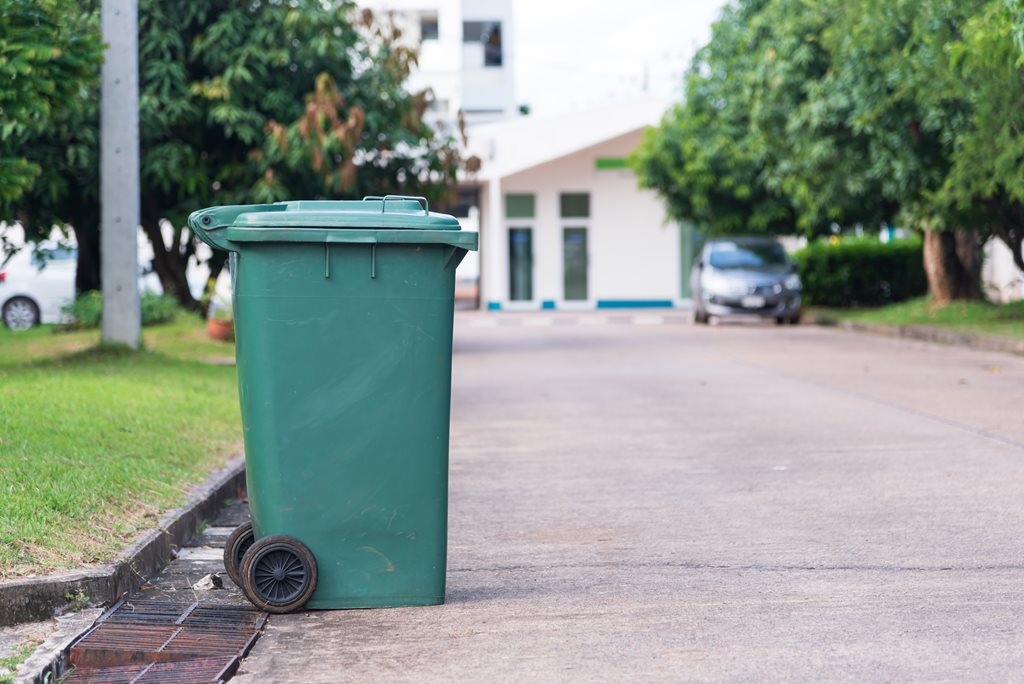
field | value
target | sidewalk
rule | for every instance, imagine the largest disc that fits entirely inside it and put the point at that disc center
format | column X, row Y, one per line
column 662, row 502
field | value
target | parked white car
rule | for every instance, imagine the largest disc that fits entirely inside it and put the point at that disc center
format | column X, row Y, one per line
column 35, row 284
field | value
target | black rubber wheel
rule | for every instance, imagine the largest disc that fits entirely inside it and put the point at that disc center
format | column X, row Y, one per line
column 780, row 320
column 20, row 313
column 794, row 320
column 234, row 549
column 278, row 574
column 699, row 317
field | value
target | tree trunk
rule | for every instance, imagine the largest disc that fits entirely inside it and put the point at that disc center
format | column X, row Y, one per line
column 952, row 262
column 88, row 274
column 170, row 264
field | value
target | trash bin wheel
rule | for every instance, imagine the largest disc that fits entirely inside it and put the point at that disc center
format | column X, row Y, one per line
column 234, row 549
column 278, row 574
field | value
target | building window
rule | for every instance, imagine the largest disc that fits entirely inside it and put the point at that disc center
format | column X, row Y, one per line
column 519, row 206
column 428, row 26
column 520, row 264
column 574, row 204
column 574, row 264
column 487, row 33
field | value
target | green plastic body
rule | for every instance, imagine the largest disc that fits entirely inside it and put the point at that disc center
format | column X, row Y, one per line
column 344, row 342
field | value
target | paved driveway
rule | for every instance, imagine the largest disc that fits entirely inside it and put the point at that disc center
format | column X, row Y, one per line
column 638, row 499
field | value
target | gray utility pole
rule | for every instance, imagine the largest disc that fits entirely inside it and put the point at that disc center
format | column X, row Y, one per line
column 119, row 173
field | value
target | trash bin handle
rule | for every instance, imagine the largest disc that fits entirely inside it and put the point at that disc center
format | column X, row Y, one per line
column 386, row 198
column 208, row 224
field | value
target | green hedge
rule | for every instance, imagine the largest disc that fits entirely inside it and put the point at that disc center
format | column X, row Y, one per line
column 86, row 310
column 861, row 272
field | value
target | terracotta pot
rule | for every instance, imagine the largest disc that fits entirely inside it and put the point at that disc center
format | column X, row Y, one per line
column 219, row 329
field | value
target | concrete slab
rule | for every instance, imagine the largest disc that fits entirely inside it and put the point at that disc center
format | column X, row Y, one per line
column 645, row 502
column 203, row 555
column 17, row 642
column 46, row 664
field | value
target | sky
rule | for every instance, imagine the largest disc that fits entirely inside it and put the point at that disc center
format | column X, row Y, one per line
column 572, row 54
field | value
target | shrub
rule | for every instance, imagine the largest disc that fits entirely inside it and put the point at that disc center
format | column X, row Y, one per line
column 158, row 308
column 86, row 310
column 861, row 272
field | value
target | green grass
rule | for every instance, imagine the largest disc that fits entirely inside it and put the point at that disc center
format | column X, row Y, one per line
column 95, row 444
column 982, row 318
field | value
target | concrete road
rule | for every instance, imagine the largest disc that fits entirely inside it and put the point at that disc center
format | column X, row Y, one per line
column 634, row 499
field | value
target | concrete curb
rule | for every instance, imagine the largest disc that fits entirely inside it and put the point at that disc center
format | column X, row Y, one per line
column 40, row 598
column 927, row 334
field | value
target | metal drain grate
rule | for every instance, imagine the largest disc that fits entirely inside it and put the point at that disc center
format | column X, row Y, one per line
column 158, row 641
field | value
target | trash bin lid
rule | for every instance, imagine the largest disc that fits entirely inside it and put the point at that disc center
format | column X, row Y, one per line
column 390, row 212
column 390, row 219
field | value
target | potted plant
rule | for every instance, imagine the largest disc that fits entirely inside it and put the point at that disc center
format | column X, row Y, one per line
column 220, row 324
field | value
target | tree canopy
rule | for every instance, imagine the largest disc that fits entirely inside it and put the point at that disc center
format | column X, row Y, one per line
column 804, row 117
column 705, row 158
column 50, row 54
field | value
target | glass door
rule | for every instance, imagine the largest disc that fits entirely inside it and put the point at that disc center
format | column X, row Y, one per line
column 574, row 263
column 520, row 267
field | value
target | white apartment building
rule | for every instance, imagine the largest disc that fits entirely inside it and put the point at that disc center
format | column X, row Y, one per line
column 466, row 54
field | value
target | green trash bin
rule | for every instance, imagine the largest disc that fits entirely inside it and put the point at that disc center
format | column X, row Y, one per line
column 343, row 317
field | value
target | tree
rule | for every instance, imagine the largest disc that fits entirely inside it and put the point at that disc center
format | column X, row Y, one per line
column 225, row 89
column 345, row 145
column 985, row 69
column 50, row 54
column 888, row 60
column 704, row 159
column 218, row 80
column 847, row 113
column 800, row 116
column 725, row 159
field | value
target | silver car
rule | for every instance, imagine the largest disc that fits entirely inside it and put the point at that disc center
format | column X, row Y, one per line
column 745, row 276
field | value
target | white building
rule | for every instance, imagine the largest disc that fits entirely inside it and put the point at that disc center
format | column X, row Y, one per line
column 563, row 222
column 466, row 54
column 1002, row 280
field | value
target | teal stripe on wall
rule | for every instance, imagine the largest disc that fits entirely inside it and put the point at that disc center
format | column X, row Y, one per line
column 634, row 304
